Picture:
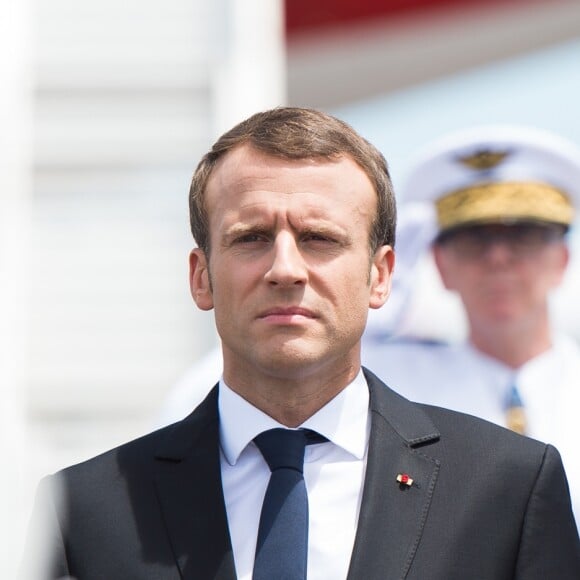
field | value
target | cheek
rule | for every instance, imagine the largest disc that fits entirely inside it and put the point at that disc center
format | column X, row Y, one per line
column 462, row 279
column 557, row 269
column 353, row 291
column 234, row 285
column 544, row 274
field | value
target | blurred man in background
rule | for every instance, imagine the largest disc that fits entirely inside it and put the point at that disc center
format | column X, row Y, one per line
column 503, row 200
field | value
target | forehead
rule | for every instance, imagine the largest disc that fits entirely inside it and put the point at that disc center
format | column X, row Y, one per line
column 245, row 175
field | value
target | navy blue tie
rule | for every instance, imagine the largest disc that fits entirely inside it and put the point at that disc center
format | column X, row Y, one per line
column 282, row 547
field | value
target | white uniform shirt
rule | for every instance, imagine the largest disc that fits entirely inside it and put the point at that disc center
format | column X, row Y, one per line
column 460, row 377
column 333, row 471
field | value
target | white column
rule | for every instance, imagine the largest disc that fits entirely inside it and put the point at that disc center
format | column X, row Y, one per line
column 249, row 70
column 15, row 180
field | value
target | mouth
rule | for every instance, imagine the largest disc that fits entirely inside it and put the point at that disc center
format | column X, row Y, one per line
column 499, row 286
column 287, row 314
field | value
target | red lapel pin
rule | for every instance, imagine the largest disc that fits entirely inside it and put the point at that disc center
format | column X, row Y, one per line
column 405, row 479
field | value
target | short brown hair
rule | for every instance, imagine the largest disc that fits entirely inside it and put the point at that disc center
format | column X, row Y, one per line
column 298, row 133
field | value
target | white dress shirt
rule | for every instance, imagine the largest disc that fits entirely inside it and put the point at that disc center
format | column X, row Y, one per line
column 333, row 471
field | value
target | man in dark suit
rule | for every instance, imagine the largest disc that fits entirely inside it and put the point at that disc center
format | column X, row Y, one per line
column 294, row 216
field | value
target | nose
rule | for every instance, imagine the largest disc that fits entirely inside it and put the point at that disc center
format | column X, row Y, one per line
column 288, row 267
column 498, row 251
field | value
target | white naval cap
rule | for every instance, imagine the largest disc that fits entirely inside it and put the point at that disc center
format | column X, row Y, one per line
column 497, row 174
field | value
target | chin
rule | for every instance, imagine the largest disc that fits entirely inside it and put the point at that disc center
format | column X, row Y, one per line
column 504, row 315
column 288, row 361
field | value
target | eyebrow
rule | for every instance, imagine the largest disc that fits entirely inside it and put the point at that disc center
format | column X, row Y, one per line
column 239, row 229
column 324, row 228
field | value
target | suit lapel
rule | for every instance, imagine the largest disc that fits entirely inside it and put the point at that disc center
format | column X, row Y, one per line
column 392, row 515
column 188, row 481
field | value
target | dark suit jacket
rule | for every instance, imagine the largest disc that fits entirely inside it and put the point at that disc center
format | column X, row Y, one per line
column 485, row 504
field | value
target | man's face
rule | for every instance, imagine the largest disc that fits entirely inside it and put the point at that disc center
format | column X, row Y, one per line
column 290, row 273
column 503, row 273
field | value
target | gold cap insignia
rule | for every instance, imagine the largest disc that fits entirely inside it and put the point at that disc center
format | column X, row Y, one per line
column 483, row 159
column 494, row 202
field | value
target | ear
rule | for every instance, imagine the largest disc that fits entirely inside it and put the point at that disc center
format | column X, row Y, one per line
column 563, row 260
column 199, row 282
column 442, row 257
column 382, row 268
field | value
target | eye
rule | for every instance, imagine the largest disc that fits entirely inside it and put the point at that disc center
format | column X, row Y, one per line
column 250, row 238
column 318, row 237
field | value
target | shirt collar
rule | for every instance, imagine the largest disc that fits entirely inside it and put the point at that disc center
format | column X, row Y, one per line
column 344, row 420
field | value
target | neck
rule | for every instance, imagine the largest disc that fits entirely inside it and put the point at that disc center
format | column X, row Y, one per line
column 291, row 400
column 512, row 344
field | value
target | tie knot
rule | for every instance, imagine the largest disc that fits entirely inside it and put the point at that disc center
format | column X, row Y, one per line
column 283, row 448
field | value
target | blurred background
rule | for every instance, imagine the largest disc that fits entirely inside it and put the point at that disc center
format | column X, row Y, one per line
column 106, row 108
